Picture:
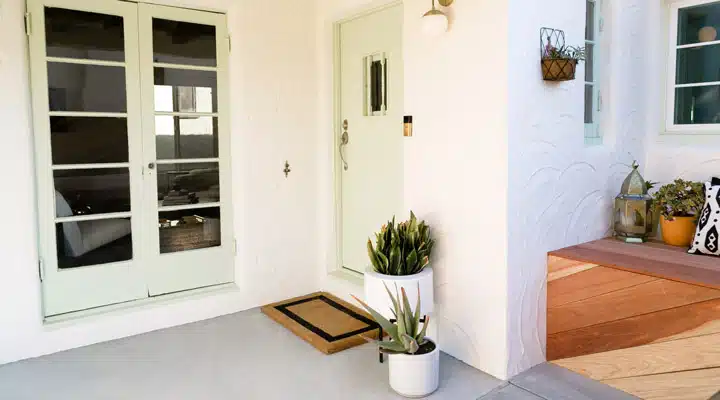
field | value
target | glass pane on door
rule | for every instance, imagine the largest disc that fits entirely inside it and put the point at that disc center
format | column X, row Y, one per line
column 84, row 35
column 186, row 91
column 79, row 87
column 187, row 184
column 189, row 229
column 89, row 153
column 185, row 43
column 186, row 135
column 92, row 191
column 84, row 243
column 89, row 140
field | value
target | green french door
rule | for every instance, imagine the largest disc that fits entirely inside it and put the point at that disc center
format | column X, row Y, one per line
column 132, row 151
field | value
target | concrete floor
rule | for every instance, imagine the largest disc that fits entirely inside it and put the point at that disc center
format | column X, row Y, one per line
column 243, row 356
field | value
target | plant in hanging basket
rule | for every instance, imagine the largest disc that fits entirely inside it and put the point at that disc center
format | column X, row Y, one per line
column 559, row 63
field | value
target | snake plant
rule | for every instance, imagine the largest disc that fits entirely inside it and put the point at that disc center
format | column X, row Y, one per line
column 406, row 336
column 401, row 249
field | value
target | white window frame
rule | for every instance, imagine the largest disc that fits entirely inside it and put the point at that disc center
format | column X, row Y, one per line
column 670, row 125
column 593, row 135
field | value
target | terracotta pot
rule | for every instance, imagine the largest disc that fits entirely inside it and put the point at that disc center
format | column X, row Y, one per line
column 679, row 231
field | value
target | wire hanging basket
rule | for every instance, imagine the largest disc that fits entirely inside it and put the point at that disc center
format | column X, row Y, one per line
column 555, row 68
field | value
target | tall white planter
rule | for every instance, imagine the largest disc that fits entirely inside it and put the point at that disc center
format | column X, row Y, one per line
column 376, row 296
column 415, row 375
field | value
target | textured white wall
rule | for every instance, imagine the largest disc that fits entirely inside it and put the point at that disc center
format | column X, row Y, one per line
column 273, row 78
column 456, row 166
column 560, row 190
column 689, row 155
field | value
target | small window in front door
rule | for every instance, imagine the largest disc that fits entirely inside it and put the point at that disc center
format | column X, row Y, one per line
column 375, row 85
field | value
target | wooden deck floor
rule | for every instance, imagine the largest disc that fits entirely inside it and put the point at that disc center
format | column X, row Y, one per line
column 642, row 318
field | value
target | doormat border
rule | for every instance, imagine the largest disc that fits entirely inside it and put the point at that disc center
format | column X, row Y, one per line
column 314, row 335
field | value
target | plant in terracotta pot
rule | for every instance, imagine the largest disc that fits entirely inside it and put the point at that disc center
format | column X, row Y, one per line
column 401, row 257
column 678, row 204
column 414, row 360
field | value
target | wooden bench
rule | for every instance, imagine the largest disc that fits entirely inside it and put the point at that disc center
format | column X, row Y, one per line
column 643, row 318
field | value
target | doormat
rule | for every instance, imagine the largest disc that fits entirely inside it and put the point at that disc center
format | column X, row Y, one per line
column 325, row 321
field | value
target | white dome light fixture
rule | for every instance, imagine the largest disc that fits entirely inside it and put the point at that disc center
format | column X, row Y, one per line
column 435, row 22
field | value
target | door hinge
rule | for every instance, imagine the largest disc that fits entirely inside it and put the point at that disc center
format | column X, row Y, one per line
column 235, row 246
column 229, row 39
column 28, row 24
column 599, row 101
column 601, row 28
column 41, row 270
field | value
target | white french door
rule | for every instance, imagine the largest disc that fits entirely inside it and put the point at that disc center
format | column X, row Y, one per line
column 132, row 151
column 184, row 91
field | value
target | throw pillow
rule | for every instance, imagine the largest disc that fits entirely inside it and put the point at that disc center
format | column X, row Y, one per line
column 707, row 237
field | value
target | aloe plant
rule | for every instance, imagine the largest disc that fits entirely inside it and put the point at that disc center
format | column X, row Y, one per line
column 406, row 336
column 401, row 249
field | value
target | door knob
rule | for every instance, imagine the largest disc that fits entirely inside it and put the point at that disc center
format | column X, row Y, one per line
column 151, row 165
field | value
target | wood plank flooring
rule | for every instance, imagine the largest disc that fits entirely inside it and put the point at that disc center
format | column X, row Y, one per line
column 642, row 318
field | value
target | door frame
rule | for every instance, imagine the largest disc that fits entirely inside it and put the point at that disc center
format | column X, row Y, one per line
column 337, row 266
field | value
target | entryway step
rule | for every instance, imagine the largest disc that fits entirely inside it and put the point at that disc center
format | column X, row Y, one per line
column 551, row 382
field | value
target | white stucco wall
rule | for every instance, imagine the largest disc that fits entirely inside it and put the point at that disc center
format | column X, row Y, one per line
column 455, row 166
column 497, row 165
column 690, row 155
column 561, row 191
column 273, row 120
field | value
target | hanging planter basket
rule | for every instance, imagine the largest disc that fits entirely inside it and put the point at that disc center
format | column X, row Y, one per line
column 558, row 69
column 557, row 62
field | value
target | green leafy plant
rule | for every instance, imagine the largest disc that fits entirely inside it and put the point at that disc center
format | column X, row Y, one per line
column 406, row 336
column 565, row 53
column 401, row 249
column 679, row 199
column 649, row 185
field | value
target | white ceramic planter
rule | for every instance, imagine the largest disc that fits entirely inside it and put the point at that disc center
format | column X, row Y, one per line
column 415, row 375
column 376, row 296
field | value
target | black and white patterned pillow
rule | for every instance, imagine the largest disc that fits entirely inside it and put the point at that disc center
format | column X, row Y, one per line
column 707, row 237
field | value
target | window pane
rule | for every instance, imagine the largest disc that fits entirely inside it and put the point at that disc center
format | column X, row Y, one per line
column 77, row 87
column 589, row 104
column 698, row 24
column 182, row 137
column 86, row 35
column 82, row 140
column 185, row 43
column 376, row 92
column 93, row 242
column 185, row 184
column 189, row 229
column 91, row 191
column 590, row 20
column 589, row 64
column 698, row 64
column 697, row 105
column 185, row 90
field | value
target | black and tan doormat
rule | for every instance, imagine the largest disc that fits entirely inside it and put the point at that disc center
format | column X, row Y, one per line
column 325, row 321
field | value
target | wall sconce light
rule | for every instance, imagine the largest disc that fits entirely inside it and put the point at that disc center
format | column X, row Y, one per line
column 435, row 22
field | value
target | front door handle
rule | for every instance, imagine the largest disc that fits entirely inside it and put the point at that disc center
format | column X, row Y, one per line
column 344, row 140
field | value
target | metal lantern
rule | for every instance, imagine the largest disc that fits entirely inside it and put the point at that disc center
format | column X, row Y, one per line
column 633, row 209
